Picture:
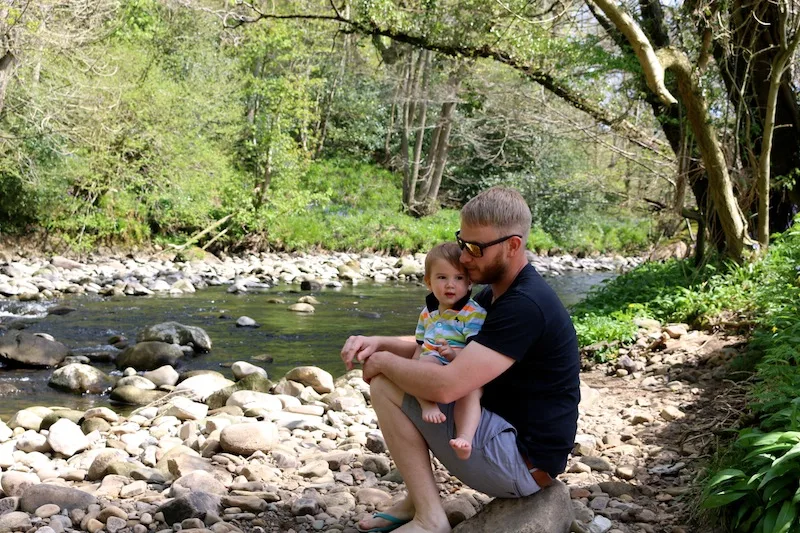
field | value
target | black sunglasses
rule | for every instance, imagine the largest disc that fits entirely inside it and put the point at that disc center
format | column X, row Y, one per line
column 475, row 249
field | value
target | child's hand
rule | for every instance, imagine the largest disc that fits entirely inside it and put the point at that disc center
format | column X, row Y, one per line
column 445, row 350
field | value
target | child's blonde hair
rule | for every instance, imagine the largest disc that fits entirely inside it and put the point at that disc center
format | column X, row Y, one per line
column 448, row 251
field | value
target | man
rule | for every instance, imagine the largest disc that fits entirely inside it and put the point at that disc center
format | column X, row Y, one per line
column 525, row 357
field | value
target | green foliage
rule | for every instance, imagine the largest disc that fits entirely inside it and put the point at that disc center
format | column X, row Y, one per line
column 761, row 493
column 162, row 122
column 619, row 326
column 673, row 291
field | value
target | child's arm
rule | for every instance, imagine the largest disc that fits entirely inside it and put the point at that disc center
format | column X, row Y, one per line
column 447, row 351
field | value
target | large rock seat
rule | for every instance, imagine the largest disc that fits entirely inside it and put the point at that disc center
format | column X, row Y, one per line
column 547, row 511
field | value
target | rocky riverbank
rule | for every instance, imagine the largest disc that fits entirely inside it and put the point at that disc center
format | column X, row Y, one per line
column 30, row 278
column 304, row 453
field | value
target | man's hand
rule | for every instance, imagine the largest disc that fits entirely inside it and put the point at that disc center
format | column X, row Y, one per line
column 445, row 350
column 372, row 366
column 358, row 348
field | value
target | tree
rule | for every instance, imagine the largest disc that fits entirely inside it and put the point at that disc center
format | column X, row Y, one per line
column 535, row 39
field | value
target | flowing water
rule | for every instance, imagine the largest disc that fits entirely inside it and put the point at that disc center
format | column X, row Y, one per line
column 285, row 338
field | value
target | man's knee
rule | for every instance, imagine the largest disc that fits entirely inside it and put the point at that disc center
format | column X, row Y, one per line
column 381, row 387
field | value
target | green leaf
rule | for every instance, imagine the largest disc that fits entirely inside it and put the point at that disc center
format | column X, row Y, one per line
column 769, row 520
column 778, row 471
column 725, row 475
column 768, row 449
column 785, row 518
column 790, row 436
column 720, row 499
column 788, row 456
column 796, row 498
column 777, row 484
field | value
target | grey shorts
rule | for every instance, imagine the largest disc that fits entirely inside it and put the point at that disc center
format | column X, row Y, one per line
column 495, row 466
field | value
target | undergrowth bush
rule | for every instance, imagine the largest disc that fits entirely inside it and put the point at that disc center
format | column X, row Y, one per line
column 757, row 488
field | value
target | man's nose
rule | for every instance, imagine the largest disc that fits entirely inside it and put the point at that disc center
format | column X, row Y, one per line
column 465, row 257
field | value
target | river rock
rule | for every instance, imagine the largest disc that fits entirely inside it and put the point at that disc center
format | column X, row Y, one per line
column 21, row 348
column 316, row 378
column 164, row 375
column 245, row 439
column 70, row 414
column 101, row 412
column 253, row 382
column 16, row 483
column 547, row 511
column 149, row 355
column 196, row 504
column 301, row 308
column 246, row 322
column 344, row 399
column 65, row 263
column 65, row 497
column 458, row 509
column 242, row 369
column 67, row 438
column 79, row 379
column 247, row 399
column 5, row 432
column 31, row 441
column 15, row 521
column 137, row 381
column 26, row 419
column 98, row 468
column 185, row 409
column 203, row 385
column 197, row 481
column 135, row 396
column 175, row 333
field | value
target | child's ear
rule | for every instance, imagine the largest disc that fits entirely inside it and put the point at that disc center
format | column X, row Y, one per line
column 427, row 280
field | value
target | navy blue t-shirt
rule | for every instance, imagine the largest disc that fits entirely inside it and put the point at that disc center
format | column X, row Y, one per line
column 540, row 392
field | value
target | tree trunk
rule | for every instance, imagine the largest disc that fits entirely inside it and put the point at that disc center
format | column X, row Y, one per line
column 7, row 63
column 746, row 54
column 654, row 64
column 252, row 101
column 721, row 188
column 440, row 153
column 421, row 125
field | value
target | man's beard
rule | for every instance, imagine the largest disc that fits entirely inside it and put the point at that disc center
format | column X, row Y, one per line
column 489, row 274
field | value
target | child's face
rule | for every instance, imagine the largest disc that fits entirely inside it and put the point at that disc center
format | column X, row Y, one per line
column 448, row 283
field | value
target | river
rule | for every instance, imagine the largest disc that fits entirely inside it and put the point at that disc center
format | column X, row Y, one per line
column 287, row 339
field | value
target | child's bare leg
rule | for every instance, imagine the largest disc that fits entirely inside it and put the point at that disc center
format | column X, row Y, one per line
column 467, row 414
column 430, row 410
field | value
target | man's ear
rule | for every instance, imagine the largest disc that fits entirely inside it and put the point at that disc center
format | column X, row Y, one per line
column 515, row 245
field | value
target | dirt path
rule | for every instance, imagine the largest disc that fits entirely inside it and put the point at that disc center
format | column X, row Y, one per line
column 646, row 430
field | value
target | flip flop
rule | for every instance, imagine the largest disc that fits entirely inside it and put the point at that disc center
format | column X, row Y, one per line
column 395, row 523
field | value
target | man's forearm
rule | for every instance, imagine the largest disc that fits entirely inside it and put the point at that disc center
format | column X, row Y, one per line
column 401, row 346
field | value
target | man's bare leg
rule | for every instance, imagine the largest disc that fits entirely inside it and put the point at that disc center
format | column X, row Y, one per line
column 410, row 454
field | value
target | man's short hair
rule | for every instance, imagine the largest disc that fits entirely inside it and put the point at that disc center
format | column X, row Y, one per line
column 501, row 208
column 448, row 251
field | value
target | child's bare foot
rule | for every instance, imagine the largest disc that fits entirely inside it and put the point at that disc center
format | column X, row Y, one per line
column 433, row 415
column 462, row 447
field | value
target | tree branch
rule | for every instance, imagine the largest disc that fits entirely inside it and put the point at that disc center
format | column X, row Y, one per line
column 653, row 71
column 485, row 51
